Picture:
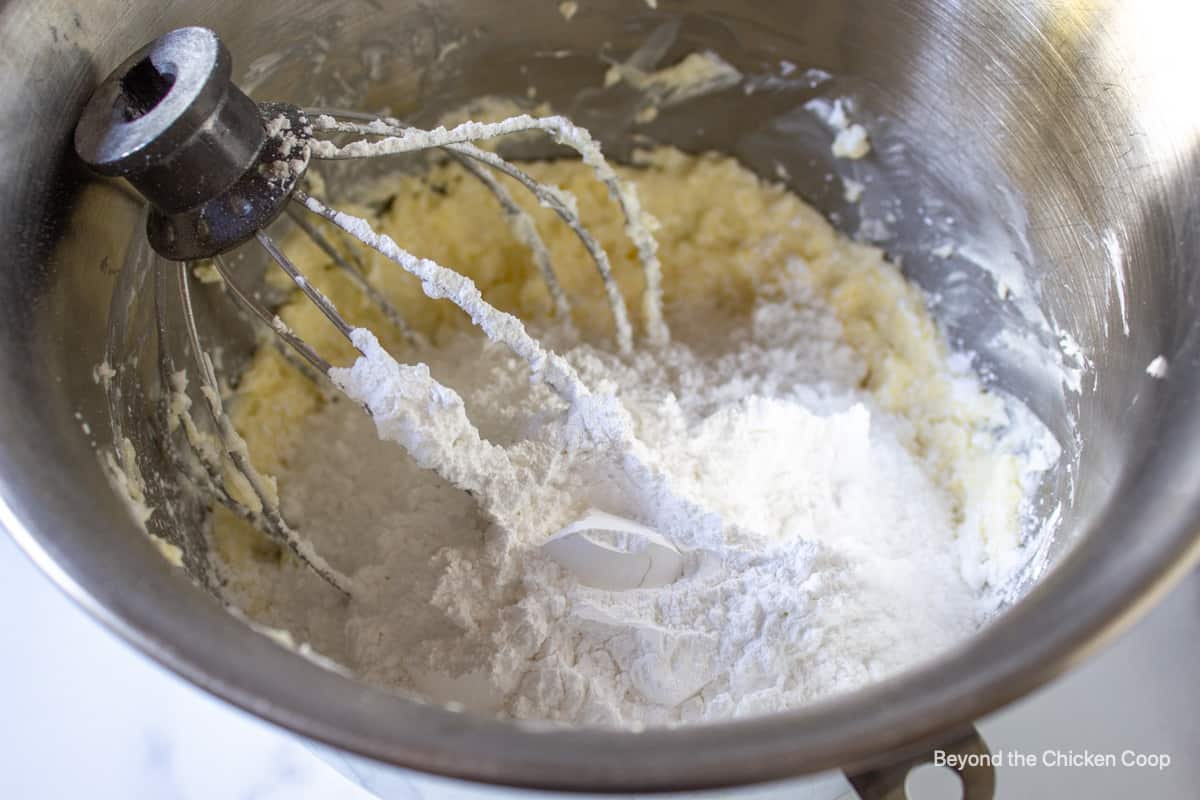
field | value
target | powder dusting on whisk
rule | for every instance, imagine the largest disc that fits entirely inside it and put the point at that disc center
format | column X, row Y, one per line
column 438, row 282
column 593, row 441
column 639, row 225
column 426, row 418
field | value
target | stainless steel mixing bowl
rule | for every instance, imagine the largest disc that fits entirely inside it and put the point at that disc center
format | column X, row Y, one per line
column 1060, row 135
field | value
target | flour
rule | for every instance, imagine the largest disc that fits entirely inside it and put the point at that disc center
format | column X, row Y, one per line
column 846, row 496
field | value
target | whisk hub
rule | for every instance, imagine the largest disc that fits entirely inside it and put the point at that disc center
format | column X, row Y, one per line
column 214, row 165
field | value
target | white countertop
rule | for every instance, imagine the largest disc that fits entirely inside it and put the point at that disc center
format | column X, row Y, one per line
column 84, row 715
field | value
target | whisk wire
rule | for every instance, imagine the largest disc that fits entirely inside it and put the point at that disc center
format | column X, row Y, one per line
column 290, row 339
column 357, row 276
column 525, row 231
column 175, row 414
column 520, row 222
column 563, row 204
column 314, row 294
column 442, row 283
column 238, row 454
column 175, row 411
column 397, row 139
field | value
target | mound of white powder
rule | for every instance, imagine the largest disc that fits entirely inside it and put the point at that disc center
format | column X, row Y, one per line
column 820, row 555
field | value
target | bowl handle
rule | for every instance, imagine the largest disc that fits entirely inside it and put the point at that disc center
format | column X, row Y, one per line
column 966, row 753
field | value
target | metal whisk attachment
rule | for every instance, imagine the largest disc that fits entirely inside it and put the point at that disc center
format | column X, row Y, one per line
column 217, row 168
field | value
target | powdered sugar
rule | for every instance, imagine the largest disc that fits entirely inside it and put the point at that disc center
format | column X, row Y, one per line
column 846, row 497
column 820, row 555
